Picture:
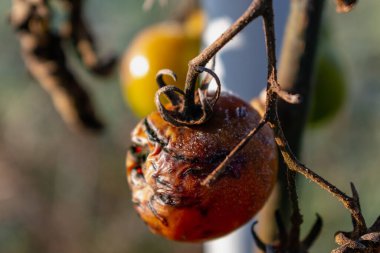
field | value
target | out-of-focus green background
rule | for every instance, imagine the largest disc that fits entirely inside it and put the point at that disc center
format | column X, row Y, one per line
column 65, row 192
column 348, row 148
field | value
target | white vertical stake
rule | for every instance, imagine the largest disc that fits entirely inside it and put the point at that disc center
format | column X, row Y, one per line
column 240, row 241
column 242, row 68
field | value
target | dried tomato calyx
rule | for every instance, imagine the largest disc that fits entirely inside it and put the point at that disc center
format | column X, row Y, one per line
column 192, row 106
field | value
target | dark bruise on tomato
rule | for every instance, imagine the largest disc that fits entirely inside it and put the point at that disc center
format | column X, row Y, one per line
column 166, row 165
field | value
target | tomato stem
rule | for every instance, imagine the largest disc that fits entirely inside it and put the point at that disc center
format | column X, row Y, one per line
column 196, row 111
column 265, row 9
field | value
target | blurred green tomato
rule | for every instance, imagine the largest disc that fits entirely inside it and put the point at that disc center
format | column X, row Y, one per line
column 329, row 90
column 167, row 45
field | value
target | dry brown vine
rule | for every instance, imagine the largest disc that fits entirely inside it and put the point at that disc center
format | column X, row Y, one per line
column 361, row 239
column 80, row 34
column 45, row 58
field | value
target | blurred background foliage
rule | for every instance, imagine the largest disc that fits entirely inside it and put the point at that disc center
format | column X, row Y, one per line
column 65, row 192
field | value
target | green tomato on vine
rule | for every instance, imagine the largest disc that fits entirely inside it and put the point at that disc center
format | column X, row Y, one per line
column 330, row 89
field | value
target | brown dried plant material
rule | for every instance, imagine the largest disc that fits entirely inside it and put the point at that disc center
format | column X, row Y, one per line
column 366, row 243
column 286, row 241
column 343, row 6
column 80, row 34
column 45, row 60
column 362, row 238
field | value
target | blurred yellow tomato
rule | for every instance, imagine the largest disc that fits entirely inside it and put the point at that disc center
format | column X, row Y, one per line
column 167, row 45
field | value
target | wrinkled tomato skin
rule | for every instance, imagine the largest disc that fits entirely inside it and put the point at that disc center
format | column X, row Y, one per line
column 168, row 194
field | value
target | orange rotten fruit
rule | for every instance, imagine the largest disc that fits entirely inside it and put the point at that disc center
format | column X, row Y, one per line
column 166, row 166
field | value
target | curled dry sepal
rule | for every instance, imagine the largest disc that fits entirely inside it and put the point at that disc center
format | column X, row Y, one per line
column 367, row 243
column 361, row 239
column 45, row 59
column 189, row 108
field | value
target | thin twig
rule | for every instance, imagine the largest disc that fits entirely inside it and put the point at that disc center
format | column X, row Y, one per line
column 271, row 117
column 195, row 109
column 218, row 171
column 296, row 217
column 293, row 164
column 264, row 8
column 254, row 10
column 295, row 75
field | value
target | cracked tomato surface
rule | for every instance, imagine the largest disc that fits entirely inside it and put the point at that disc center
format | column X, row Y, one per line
column 166, row 165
